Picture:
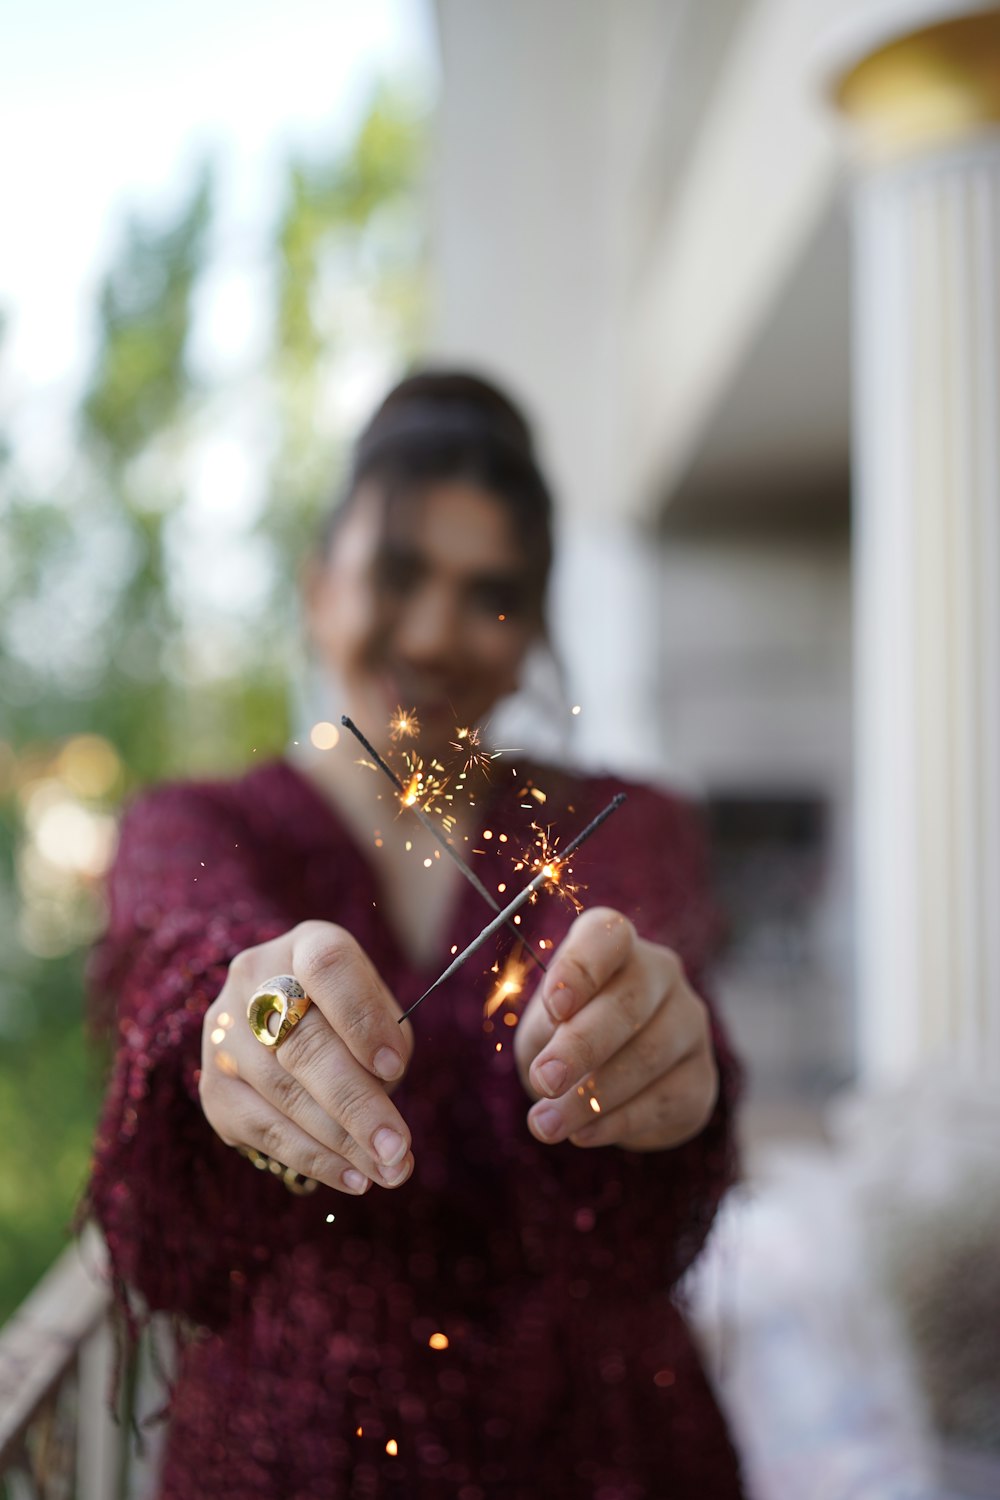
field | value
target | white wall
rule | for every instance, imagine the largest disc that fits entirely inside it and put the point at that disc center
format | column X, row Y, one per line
column 756, row 672
column 757, row 660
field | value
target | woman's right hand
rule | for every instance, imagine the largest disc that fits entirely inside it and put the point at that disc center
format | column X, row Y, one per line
column 320, row 1102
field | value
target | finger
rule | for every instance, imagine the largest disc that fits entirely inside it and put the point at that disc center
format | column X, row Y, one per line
column 675, row 1031
column 617, row 1012
column 669, row 1112
column 535, row 1028
column 251, row 1121
column 597, row 945
column 338, row 977
column 381, row 1149
column 291, row 1099
column 313, row 1070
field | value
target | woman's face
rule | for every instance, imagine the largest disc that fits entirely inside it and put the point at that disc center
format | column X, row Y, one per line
column 423, row 602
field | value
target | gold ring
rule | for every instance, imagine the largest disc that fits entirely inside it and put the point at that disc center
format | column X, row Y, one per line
column 295, row 1182
column 276, row 1008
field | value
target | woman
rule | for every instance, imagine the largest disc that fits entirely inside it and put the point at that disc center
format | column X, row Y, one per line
column 475, row 1301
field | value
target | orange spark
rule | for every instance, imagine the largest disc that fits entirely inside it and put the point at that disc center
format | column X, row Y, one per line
column 508, row 986
column 438, row 1341
column 404, row 724
column 392, row 1447
column 468, row 743
column 423, row 787
column 543, row 859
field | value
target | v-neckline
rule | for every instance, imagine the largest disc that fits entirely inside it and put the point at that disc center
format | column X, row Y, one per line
column 398, row 949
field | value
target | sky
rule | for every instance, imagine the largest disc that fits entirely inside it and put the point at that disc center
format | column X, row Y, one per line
column 107, row 106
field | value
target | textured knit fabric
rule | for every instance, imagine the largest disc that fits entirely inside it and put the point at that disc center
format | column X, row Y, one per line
column 568, row 1370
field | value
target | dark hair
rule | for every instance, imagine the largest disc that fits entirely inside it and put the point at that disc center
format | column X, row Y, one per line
column 439, row 425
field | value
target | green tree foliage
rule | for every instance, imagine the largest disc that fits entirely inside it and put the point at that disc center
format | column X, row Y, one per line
column 140, row 386
column 111, row 675
column 350, row 258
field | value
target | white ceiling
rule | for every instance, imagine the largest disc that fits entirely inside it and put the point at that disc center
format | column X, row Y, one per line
column 782, row 431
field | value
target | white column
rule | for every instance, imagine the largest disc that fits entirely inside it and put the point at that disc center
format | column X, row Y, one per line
column 608, row 619
column 927, row 505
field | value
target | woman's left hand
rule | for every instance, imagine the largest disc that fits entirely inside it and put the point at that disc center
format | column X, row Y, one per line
column 615, row 1045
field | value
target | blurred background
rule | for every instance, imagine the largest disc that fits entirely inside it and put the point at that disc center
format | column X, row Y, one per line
column 741, row 259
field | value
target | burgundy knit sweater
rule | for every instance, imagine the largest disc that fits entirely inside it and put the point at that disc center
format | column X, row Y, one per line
column 568, row 1370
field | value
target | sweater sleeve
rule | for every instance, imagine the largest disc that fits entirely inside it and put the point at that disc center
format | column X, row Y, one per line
column 184, row 1216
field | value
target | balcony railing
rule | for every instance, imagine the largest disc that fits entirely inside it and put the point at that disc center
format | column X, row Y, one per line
column 55, row 1352
column 59, row 1438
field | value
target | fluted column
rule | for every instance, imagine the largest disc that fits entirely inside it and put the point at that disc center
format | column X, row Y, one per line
column 927, row 527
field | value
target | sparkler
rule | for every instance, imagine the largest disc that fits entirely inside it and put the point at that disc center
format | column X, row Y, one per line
column 468, row 743
column 548, row 872
column 545, row 852
column 410, row 801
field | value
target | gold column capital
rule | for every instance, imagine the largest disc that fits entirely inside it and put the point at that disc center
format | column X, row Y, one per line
column 931, row 87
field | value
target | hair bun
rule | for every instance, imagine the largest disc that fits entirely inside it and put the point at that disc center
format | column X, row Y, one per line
column 451, row 400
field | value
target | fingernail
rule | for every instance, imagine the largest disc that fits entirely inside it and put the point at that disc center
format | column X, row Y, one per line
column 553, row 1075
column 547, row 1122
column 354, row 1181
column 390, row 1147
column 584, row 1135
column 393, row 1176
column 388, row 1064
column 560, row 1001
